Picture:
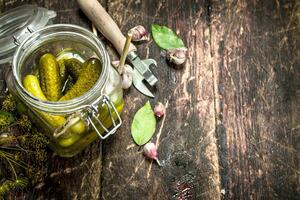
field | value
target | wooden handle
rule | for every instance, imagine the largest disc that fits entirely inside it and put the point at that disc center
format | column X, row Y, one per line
column 104, row 23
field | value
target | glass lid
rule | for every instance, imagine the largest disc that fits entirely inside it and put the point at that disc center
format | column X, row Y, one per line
column 17, row 24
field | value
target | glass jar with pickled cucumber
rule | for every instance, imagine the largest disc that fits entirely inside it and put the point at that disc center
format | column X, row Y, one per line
column 62, row 79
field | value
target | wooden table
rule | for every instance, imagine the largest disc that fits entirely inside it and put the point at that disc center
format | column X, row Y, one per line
column 232, row 125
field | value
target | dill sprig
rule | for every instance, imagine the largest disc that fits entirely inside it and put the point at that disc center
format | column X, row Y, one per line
column 23, row 149
column 10, row 185
column 9, row 104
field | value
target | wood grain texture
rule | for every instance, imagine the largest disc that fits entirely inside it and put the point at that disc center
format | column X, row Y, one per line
column 255, row 46
column 187, row 145
column 232, row 125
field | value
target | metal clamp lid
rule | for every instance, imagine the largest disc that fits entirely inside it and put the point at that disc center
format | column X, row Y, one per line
column 93, row 118
column 17, row 24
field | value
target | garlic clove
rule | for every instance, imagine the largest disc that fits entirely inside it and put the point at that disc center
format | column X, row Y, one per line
column 126, row 81
column 150, row 151
column 177, row 56
column 126, row 74
column 139, row 33
column 159, row 109
column 127, row 77
column 127, row 69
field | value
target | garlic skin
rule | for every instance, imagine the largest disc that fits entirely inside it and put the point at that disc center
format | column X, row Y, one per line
column 159, row 109
column 115, row 63
column 139, row 33
column 177, row 56
column 126, row 74
column 127, row 77
column 150, row 151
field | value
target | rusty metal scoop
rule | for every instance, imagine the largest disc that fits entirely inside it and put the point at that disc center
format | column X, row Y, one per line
column 105, row 24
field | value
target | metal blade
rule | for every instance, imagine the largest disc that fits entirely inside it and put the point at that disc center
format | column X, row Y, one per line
column 142, row 66
column 139, row 85
column 151, row 79
column 150, row 62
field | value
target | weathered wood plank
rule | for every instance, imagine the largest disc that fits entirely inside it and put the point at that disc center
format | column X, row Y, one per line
column 187, row 145
column 255, row 48
column 243, row 64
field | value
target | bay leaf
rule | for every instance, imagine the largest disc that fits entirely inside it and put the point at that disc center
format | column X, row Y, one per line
column 165, row 38
column 143, row 125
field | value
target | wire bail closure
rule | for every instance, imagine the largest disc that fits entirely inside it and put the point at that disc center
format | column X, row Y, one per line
column 93, row 118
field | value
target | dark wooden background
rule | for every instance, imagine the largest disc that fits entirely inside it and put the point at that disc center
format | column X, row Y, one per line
column 232, row 126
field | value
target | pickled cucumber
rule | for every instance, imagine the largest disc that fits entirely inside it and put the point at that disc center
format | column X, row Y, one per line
column 61, row 57
column 86, row 80
column 62, row 71
column 73, row 67
column 31, row 84
column 50, row 77
column 66, row 142
column 69, row 138
column 68, row 74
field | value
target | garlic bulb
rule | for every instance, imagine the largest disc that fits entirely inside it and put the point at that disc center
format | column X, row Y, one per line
column 177, row 56
column 159, row 109
column 127, row 76
column 150, row 151
column 139, row 33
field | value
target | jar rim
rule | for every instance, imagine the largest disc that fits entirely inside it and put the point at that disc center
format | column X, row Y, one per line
column 78, row 103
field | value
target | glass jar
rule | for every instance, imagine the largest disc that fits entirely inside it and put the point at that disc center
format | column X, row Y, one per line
column 73, row 124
